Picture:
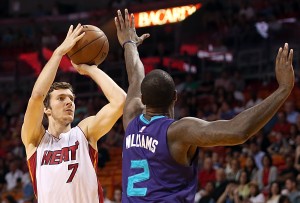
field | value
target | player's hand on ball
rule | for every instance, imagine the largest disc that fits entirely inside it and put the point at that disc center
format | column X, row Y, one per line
column 126, row 29
column 72, row 37
column 83, row 69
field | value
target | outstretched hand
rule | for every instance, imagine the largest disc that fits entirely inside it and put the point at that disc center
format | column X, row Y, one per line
column 126, row 29
column 73, row 36
column 284, row 67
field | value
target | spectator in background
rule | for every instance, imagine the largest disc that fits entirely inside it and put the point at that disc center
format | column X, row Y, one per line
column 238, row 81
column 250, row 168
column 294, row 131
column 17, row 191
column 3, row 172
column 289, row 171
column 9, row 199
column 220, row 183
column 117, row 195
column 13, row 175
column 257, row 153
column 284, row 199
column 243, row 188
column 279, row 145
column 274, row 193
column 267, row 174
column 282, row 125
column 207, row 173
column 291, row 113
column 206, row 195
column 234, row 171
column 297, row 153
column 216, row 159
column 247, row 10
column 105, row 198
column 15, row 8
column 223, row 80
column 254, row 99
column 228, row 196
column 291, row 190
column 220, row 95
column 27, row 187
column 226, row 112
column 256, row 196
column 298, row 122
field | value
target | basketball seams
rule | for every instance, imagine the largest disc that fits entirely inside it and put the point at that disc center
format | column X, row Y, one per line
column 92, row 48
column 92, row 31
column 86, row 45
column 98, row 52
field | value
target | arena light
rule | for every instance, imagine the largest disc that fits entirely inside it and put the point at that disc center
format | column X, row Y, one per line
column 164, row 16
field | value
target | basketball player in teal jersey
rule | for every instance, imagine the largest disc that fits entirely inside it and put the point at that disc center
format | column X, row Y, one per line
column 159, row 153
column 63, row 160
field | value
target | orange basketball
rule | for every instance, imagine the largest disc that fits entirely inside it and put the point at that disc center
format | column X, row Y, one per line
column 92, row 49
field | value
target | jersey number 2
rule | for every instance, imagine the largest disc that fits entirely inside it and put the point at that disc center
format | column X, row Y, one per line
column 74, row 168
column 145, row 175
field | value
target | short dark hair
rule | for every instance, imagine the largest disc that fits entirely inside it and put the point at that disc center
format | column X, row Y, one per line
column 269, row 157
column 158, row 89
column 56, row 86
column 284, row 199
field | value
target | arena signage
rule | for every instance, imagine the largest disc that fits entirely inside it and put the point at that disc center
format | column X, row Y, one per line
column 164, row 16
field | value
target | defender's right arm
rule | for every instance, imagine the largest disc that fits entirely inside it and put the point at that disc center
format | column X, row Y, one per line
column 32, row 128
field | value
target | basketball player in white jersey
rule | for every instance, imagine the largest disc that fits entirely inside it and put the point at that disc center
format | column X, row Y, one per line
column 63, row 160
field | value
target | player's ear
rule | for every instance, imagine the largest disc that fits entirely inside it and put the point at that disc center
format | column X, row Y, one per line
column 47, row 111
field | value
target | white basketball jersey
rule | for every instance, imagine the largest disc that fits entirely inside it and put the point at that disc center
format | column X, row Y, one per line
column 64, row 169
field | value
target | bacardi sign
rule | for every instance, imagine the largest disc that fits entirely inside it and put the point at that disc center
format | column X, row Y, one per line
column 164, row 16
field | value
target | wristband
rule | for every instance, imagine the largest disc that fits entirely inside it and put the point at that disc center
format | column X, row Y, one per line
column 129, row 41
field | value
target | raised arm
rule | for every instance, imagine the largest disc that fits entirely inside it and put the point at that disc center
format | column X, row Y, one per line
column 193, row 131
column 135, row 69
column 96, row 126
column 32, row 129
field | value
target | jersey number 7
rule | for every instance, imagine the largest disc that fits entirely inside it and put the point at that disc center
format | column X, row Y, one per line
column 74, row 168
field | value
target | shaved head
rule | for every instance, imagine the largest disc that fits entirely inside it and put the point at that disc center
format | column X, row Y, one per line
column 158, row 89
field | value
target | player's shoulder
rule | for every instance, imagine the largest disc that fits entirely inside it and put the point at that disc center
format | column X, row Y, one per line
column 76, row 129
column 184, row 124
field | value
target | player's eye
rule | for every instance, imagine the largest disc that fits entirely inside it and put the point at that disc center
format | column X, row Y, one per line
column 60, row 98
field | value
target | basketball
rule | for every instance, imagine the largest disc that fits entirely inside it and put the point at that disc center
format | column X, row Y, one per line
column 92, row 49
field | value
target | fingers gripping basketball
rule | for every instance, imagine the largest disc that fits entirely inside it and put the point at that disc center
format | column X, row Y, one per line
column 92, row 49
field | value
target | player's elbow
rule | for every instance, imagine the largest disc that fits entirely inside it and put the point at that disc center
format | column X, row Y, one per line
column 120, row 102
column 241, row 131
column 241, row 136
